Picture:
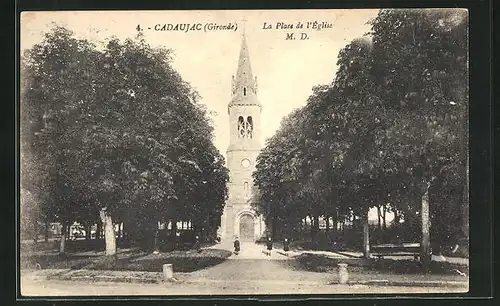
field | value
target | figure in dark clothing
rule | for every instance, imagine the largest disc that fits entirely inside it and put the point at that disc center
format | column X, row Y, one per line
column 286, row 245
column 197, row 246
column 236, row 246
column 269, row 245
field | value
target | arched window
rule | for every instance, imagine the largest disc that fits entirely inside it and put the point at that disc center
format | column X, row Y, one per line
column 249, row 126
column 246, row 189
column 244, row 91
column 241, row 127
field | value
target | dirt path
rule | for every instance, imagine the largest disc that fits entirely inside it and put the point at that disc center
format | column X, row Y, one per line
column 249, row 250
column 251, row 265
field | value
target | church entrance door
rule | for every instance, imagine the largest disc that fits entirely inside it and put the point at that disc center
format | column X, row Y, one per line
column 246, row 227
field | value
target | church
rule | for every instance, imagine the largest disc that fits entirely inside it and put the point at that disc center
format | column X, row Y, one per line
column 244, row 110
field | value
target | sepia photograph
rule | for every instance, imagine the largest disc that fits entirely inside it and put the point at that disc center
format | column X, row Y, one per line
column 243, row 152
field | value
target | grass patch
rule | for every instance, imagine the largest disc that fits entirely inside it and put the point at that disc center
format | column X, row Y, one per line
column 323, row 245
column 56, row 261
column 129, row 260
column 72, row 246
column 321, row 263
column 110, row 276
column 182, row 261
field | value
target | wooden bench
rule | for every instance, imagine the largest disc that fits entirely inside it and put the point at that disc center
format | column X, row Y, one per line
column 403, row 249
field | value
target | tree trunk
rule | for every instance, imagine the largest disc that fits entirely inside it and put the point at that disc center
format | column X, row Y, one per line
column 315, row 230
column 335, row 221
column 311, row 229
column 397, row 218
column 208, row 230
column 98, row 230
column 88, row 229
column 274, row 227
column 327, row 227
column 68, row 231
column 156, row 247
column 62, row 246
column 303, row 227
column 379, row 213
column 109, row 233
column 46, row 233
column 174, row 233
column 366, row 236
column 425, row 256
column 384, row 215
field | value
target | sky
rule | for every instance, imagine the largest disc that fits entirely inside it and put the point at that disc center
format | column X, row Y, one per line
column 286, row 69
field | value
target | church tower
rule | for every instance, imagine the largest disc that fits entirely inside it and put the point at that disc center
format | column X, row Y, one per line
column 244, row 110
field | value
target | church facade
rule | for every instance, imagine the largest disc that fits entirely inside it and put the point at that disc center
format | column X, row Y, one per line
column 244, row 110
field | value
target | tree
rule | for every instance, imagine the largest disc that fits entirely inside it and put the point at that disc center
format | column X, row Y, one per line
column 150, row 169
column 355, row 115
column 55, row 75
column 426, row 53
column 122, row 136
column 391, row 128
column 277, row 175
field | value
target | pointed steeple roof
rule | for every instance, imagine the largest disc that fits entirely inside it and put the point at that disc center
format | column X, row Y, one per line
column 244, row 75
column 244, row 85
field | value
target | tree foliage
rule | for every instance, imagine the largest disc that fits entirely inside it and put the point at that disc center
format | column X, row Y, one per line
column 393, row 119
column 116, row 130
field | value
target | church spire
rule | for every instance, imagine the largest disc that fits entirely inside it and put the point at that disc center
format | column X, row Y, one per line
column 244, row 74
column 244, row 83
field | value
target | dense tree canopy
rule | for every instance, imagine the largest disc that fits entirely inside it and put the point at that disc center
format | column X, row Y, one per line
column 116, row 131
column 393, row 120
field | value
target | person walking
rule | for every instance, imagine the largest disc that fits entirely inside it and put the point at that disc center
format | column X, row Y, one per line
column 197, row 246
column 269, row 245
column 236, row 246
column 286, row 246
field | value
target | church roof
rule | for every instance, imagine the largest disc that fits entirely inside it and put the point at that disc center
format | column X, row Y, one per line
column 244, row 75
column 244, row 85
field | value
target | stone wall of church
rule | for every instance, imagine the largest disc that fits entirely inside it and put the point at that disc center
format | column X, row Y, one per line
column 240, row 189
column 232, row 217
column 240, row 184
column 237, row 142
